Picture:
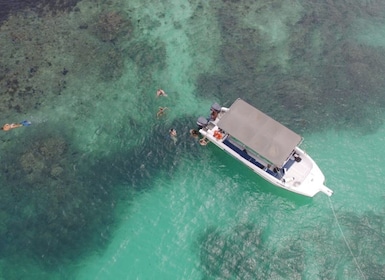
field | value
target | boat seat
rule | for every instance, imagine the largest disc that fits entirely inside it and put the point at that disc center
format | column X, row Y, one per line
column 277, row 175
column 289, row 163
column 242, row 153
column 246, row 156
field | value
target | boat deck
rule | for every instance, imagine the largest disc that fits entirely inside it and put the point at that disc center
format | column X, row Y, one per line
column 299, row 171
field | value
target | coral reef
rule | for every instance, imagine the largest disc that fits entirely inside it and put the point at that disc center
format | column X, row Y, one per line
column 58, row 202
column 42, row 54
column 112, row 65
column 41, row 6
column 325, row 77
column 55, row 209
column 44, row 158
column 113, row 24
column 52, row 206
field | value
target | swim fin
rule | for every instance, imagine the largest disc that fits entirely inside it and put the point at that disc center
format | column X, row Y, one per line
column 26, row 123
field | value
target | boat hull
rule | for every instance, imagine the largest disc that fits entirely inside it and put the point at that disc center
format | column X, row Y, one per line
column 299, row 176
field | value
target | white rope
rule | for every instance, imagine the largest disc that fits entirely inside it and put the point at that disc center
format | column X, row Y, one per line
column 346, row 241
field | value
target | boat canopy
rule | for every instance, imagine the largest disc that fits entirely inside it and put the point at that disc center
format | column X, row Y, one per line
column 259, row 132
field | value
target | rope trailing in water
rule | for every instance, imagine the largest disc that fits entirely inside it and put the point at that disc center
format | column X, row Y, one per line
column 346, row 241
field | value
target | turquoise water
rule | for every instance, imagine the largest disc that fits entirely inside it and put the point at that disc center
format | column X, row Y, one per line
column 95, row 188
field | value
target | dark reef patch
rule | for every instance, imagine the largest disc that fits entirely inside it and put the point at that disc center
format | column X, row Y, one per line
column 42, row 55
column 111, row 25
column 58, row 204
column 111, row 65
column 19, row 93
column 39, row 6
column 138, row 166
column 51, row 213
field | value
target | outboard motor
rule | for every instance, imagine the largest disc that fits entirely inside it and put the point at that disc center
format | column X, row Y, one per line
column 216, row 107
column 202, row 122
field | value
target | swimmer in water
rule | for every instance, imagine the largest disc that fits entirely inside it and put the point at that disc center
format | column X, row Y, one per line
column 161, row 111
column 8, row 127
column 173, row 135
column 194, row 133
column 203, row 141
column 160, row 92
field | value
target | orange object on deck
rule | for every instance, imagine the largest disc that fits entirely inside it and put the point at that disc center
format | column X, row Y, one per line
column 217, row 135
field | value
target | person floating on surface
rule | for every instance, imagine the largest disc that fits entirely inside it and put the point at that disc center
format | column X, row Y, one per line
column 161, row 111
column 7, row 126
column 160, row 92
column 194, row 133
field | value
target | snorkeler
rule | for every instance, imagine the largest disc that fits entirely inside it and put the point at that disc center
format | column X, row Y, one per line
column 160, row 92
column 173, row 132
column 173, row 135
column 7, row 126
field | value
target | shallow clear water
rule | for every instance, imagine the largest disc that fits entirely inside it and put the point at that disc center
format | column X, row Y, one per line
column 95, row 188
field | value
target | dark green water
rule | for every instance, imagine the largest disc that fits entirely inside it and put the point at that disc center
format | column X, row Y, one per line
column 95, row 189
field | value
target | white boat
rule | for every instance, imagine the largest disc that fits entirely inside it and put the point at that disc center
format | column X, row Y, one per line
column 267, row 147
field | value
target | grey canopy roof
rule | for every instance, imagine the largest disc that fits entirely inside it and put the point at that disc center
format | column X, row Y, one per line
column 259, row 132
